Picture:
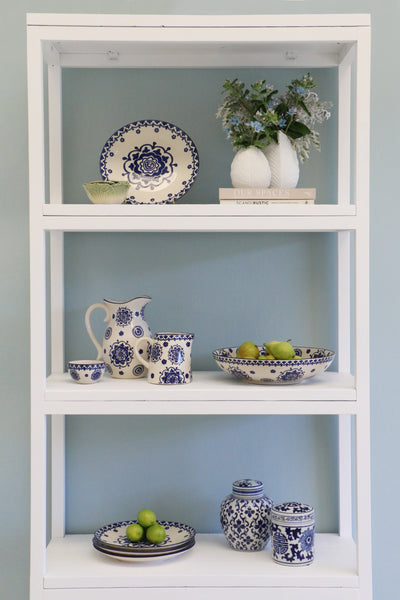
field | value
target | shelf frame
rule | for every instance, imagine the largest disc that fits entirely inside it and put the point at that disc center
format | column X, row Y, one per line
column 111, row 41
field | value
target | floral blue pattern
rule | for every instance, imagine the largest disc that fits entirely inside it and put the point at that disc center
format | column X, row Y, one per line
column 121, row 354
column 156, row 352
column 172, row 375
column 123, row 316
column 292, row 529
column 159, row 160
column 149, row 165
column 245, row 516
column 176, row 354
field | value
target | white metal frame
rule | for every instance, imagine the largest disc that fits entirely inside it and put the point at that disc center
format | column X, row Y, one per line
column 68, row 569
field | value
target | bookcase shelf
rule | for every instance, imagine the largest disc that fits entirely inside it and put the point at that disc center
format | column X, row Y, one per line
column 68, row 567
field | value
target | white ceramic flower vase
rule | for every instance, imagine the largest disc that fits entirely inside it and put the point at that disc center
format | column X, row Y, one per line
column 283, row 162
column 250, row 169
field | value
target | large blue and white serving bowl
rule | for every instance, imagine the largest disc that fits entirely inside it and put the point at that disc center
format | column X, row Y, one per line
column 310, row 362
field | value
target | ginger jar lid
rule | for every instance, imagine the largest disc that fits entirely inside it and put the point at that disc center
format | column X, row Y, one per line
column 248, row 488
column 293, row 513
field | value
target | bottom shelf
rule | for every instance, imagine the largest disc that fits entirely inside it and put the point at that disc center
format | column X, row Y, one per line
column 72, row 562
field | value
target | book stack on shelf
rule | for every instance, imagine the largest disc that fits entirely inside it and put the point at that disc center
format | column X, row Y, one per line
column 267, row 195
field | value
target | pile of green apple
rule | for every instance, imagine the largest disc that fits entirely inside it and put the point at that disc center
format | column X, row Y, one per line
column 274, row 350
column 146, row 528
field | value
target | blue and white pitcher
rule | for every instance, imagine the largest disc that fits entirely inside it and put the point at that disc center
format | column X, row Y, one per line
column 126, row 324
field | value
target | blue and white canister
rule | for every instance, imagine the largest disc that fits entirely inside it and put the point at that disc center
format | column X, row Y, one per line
column 245, row 516
column 292, row 533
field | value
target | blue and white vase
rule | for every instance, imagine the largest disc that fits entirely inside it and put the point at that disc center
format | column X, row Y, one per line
column 292, row 534
column 245, row 516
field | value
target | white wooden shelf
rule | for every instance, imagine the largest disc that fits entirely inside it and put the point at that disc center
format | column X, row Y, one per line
column 210, row 392
column 70, row 568
column 199, row 217
column 72, row 562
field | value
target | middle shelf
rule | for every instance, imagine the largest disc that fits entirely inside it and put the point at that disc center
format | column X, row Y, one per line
column 210, row 392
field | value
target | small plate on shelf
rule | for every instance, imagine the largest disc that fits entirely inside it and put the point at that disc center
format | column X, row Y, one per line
column 157, row 158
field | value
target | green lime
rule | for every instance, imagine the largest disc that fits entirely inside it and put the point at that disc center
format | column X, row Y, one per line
column 134, row 532
column 155, row 534
column 146, row 518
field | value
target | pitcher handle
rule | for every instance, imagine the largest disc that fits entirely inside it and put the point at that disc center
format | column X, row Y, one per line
column 137, row 346
column 89, row 328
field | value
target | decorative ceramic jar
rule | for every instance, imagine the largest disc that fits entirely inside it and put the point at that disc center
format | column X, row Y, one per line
column 283, row 162
column 292, row 533
column 245, row 516
column 250, row 169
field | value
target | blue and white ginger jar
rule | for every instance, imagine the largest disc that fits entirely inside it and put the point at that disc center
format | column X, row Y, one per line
column 292, row 534
column 245, row 516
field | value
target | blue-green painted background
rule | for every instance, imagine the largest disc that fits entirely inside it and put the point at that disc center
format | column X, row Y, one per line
column 224, row 287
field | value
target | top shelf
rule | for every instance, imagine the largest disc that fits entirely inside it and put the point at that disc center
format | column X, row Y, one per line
column 197, row 41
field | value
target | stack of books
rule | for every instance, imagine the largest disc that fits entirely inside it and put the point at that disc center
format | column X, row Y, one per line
column 267, row 195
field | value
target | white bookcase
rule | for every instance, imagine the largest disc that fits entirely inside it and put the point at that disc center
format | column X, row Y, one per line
column 67, row 567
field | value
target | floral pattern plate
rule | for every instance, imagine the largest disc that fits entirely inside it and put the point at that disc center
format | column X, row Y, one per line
column 158, row 159
column 146, row 558
column 112, row 537
column 309, row 362
column 133, row 557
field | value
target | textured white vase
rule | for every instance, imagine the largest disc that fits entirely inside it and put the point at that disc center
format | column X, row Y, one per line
column 283, row 162
column 250, row 168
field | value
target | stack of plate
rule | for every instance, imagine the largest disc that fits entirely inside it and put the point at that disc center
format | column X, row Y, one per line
column 112, row 541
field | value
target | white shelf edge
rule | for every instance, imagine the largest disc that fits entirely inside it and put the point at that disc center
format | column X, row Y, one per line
column 211, row 392
column 157, row 20
column 198, row 217
column 183, row 210
column 72, row 562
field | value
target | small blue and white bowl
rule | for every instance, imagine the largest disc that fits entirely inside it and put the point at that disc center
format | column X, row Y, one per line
column 86, row 371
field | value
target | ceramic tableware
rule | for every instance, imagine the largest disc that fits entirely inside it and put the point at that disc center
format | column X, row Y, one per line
column 310, row 362
column 292, row 532
column 113, row 537
column 86, row 371
column 245, row 516
column 158, row 160
column 106, row 192
column 170, row 357
column 125, row 325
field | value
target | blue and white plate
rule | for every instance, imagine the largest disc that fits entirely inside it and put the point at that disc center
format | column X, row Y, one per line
column 157, row 158
column 309, row 362
column 136, row 557
column 113, row 537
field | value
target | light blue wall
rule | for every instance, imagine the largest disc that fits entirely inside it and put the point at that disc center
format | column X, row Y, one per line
column 225, row 287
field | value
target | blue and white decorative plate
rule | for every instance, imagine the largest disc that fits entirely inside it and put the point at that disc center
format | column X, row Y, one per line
column 143, row 557
column 157, row 158
column 113, row 537
column 310, row 362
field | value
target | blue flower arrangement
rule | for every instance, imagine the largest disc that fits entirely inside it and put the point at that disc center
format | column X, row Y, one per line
column 253, row 116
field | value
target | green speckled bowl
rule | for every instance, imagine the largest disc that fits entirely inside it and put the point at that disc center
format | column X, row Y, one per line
column 107, row 192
